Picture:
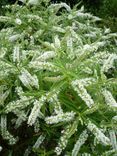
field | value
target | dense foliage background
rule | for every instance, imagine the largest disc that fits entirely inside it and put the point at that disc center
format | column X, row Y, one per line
column 58, row 79
column 106, row 9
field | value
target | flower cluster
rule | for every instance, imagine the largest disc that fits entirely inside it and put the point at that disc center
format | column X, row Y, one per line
column 110, row 101
column 0, row 148
column 113, row 139
column 57, row 106
column 4, row 132
column 46, row 55
column 39, row 141
column 82, row 92
column 63, row 140
column 61, row 117
column 35, row 112
column 18, row 104
column 98, row 133
column 57, row 71
column 109, row 63
column 43, row 66
column 82, row 138
column 28, row 80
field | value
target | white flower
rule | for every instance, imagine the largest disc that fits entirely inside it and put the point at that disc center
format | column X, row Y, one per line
column 33, row 2
column 43, row 66
column 63, row 117
column 55, row 101
column 98, row 133
column 107, row 30
column 66, row 6
column 3, row 52
column 70, row 47
column 87, row 15
column 14, row 37
column 113, row 139
column 100, row 57
column 5, row 19
column 58, row 29
column 33, row 17
column 0, row 148
column 16, row 54
column 110, row 152
column 36, row 126
column 58, row 150
column 114, row 118
column 18, row 104
column 112, row 35
column 87, row 47
column 4, row 132
column 39, row 141
column 36, row 110
column 46, row 55
column 19, row 91
column 31, row 40
column 87, row 81
column 3, row 96
column 56, row 7
column 63, row 140
column 91, row 35
column 86, row 154
column 57, row 42
column 22, row 116
column 54, row 79
column 108, row 63
column 28, row 80
column 87, row 70
column 82, row 92
column 82, row 138
column 18, row 21
column 93, row 47
column 110, row 101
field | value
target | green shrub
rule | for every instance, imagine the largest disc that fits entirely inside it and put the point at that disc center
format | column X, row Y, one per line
column 109, row 8
column 58, row 82
column 103, row 8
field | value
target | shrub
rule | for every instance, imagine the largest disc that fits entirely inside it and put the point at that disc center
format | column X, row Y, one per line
column 58, row 82
column 108, row 8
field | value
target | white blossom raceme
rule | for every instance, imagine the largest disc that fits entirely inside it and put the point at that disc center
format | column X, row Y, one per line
column 43, row 66
column 98, row 133
column 62, row 117
column 28, row 80
column 109, row 99
column 56, row 103
column 36, row 110
column 113, row 139
column 33, row 2
column 18, row 21
column 57, row 81
column 16, row 54
column 0, row 148
column 109, row 63
column 46, row 55
column 82, row 138
column 82, row 92
column 39, row 141
column 57, row 43
column 14, row 37
column 5, row 133
column 65, row 135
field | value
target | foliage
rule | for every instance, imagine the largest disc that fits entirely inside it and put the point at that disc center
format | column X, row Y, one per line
column 58, row 82
column 108, row 12
column 109, row 8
